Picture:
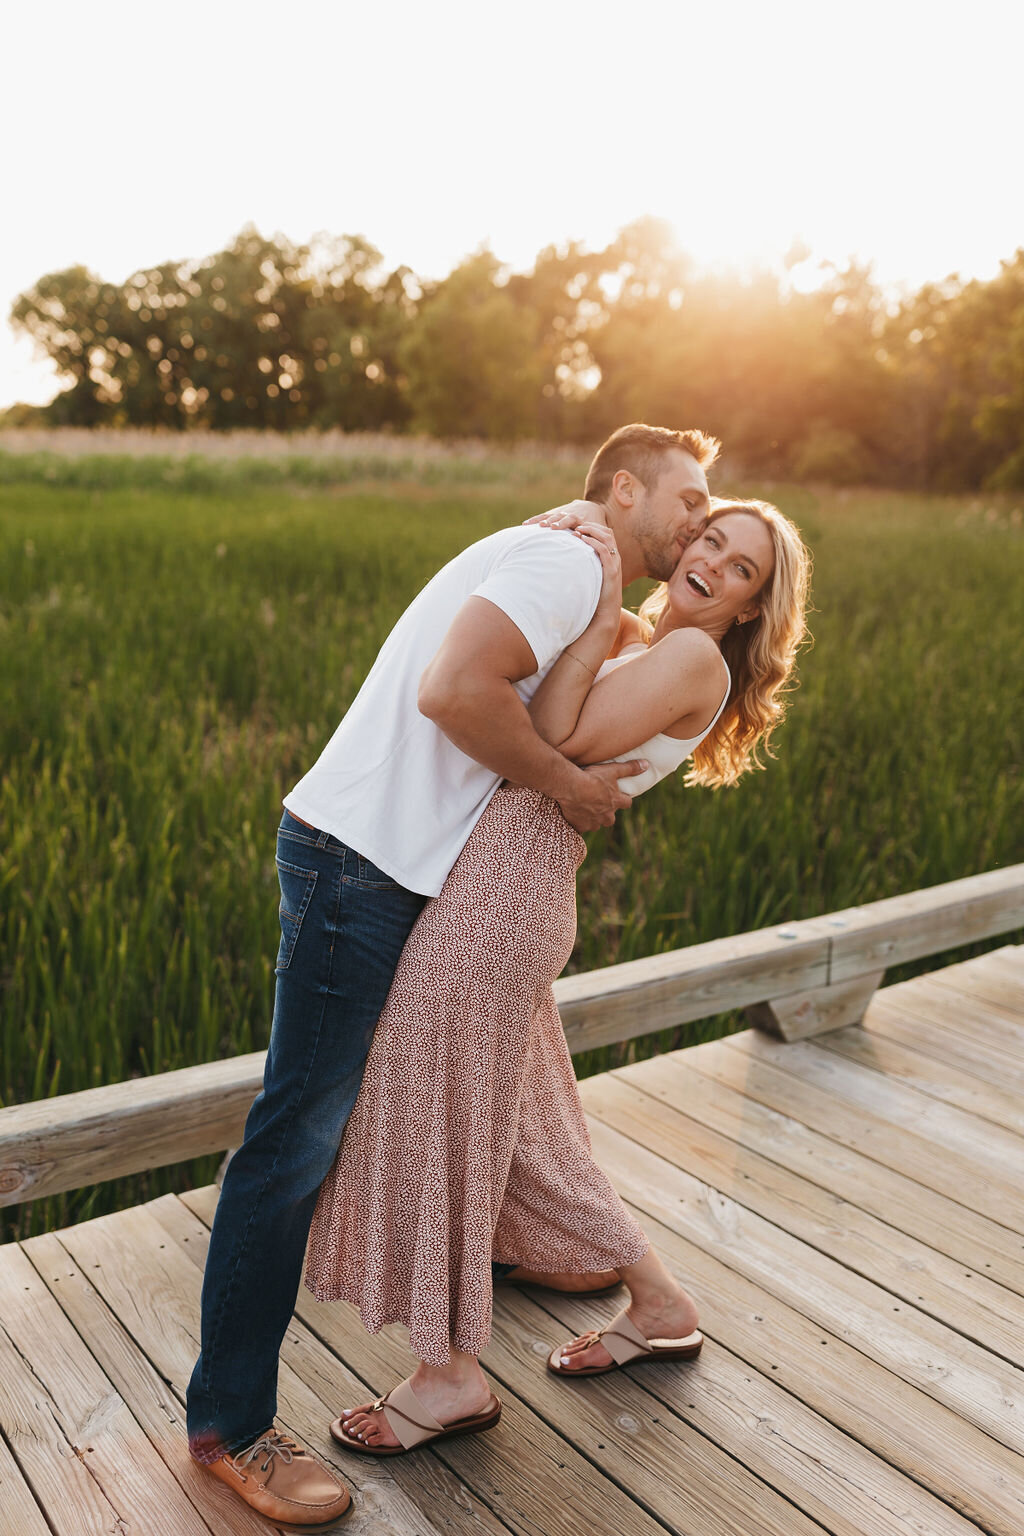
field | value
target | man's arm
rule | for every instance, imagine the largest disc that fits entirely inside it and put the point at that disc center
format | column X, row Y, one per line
column 467, row 690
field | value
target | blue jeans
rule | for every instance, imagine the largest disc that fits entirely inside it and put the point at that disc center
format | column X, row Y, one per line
column 343, row 925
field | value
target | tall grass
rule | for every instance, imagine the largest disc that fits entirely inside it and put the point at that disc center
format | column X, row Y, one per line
column 204, row 463
column 174, row 661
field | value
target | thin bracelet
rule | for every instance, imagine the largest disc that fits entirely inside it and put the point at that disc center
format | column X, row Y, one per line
column 581, row 662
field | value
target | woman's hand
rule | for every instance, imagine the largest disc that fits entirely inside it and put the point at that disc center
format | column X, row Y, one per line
column 569, row 517
column 608, row 613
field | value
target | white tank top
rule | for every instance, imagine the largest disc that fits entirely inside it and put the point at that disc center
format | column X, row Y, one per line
column 663, row 753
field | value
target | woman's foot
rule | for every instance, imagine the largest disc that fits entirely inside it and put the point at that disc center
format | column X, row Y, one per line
column 449, row 1393
column 671, row 1315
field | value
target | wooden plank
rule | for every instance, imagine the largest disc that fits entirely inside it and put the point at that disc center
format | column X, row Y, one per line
column 83, row 1138
column 940, row 1080
column 911, row 1431
column 851, row 1126
column 822, row 1470
column 521, row 1467
column 873, row 1249
column 20, row 1510
column 949, row 998
column 1006, row 963
column 919, row 923
column 921, row 1021
column 149, row 1282
column 153, row 1404
column 1009, row 961
column 989, row 986
column 988, row 1159
column 979, row 1248
column 86, row 1457
column 976, row 1384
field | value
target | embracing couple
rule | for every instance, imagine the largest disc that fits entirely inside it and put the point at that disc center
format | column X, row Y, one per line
column 419, row 1134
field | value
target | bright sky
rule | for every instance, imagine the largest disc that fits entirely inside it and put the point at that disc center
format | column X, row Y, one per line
column 134, row 135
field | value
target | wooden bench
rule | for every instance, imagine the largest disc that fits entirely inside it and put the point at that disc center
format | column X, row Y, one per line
column 797, row 980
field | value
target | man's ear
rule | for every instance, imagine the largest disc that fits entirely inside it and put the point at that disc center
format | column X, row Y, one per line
column 624, row 487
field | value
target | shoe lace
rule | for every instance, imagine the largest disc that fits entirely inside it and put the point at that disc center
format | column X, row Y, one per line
column 269, row 1445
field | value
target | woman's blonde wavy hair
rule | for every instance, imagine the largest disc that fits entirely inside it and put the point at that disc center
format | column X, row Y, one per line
column 761, row 654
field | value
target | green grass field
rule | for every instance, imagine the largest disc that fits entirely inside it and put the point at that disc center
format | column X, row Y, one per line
column 174, row 657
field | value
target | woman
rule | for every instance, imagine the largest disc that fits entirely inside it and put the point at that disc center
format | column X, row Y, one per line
column 468, row 1140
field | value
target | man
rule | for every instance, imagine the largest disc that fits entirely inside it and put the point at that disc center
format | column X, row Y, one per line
column 369, row 834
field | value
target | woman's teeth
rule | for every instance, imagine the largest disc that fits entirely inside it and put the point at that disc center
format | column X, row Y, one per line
column 698, row 584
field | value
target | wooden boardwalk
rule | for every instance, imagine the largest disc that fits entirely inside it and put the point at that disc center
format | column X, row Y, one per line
column 848, row 1211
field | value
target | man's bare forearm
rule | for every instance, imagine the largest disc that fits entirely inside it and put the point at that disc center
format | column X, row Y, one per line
column 489, row 722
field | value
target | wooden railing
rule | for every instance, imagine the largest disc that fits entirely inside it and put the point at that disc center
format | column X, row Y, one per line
column 798, row 980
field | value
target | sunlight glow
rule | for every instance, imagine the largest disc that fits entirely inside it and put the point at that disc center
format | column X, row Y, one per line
column 890, row 134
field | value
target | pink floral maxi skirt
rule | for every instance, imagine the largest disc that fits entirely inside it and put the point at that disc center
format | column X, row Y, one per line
column 468, row 1139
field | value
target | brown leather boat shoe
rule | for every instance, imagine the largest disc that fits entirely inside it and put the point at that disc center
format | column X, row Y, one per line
column 282, row 1481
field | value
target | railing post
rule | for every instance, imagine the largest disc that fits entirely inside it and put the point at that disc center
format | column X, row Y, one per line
column 803, row 1014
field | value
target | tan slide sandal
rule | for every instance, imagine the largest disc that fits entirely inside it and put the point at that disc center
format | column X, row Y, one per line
column 625, row 1343
column 413, row 1424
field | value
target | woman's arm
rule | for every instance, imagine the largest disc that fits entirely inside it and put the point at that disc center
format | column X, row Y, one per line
column 674, row 686
column 555, row 707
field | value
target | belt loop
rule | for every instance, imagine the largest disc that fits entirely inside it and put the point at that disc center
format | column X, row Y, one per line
column 321, row 839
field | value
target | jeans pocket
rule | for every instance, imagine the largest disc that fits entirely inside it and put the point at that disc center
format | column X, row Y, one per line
column 370, row 878
column 297, row 887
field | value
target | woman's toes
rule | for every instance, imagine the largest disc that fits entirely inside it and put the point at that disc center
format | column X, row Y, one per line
column 584, row 1352
column 573, row 1354
column 366, row 1425
column 356, row 1421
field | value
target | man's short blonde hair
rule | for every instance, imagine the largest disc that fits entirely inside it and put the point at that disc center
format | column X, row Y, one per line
column 642, row 450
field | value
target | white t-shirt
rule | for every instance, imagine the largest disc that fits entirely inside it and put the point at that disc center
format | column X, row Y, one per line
column 389, row 783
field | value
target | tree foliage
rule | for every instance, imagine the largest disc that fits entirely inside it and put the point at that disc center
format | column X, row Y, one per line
column 834, row 383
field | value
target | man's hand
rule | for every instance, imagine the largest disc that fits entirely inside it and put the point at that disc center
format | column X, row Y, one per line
column 596, row 795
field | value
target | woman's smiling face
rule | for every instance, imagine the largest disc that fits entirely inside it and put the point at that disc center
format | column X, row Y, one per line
column 721, row 573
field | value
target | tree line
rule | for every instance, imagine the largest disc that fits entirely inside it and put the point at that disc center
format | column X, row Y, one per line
column 837, row 383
